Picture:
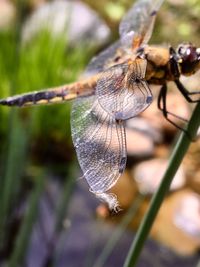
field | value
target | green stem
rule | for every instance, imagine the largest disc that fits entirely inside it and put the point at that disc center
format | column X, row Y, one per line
column 25, row 232
column 174, row 163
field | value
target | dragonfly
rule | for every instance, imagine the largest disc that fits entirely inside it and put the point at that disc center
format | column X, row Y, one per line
column 115, row 88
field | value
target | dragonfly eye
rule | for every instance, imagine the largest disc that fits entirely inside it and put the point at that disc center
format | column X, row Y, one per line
column 190, row 58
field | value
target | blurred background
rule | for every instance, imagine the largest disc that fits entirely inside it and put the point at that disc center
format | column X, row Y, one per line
column 47, row 215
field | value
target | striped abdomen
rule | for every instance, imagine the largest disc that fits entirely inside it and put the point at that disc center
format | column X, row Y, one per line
column 53, row 95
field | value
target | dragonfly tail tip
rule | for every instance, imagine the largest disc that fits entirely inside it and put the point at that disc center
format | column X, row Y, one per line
column 3, row 102
column 111, row 200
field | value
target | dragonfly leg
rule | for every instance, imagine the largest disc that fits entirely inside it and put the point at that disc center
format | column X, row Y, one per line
column 162, row 105
column 187, row 94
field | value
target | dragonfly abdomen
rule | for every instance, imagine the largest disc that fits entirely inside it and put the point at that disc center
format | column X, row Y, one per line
column 53, row 95
column 41, row 97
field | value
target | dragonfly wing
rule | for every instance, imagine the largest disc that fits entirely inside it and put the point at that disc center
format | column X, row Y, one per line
column 137, row 25
column 102, row 60
column 122, row 90
column 100, row 146
column 135, row 28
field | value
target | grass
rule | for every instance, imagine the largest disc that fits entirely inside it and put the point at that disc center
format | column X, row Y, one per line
column 24, row 235
column 45, row 62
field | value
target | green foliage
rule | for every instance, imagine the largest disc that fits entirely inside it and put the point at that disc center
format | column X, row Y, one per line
column 30, row 217
column 44, row 62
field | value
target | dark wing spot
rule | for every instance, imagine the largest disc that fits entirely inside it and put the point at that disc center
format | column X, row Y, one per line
column 118, row 116
column 140, row 51
column 149, row 99
column 122, row 165
column 153, row 13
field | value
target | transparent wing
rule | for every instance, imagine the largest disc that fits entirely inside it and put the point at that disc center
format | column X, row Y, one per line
column 103, row 59
column 137, row 25
column 122, row 91
column 100, row 144
column 135, row 29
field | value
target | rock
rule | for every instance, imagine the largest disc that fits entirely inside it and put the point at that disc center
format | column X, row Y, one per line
column 148, row 175
column 144, row 126
column 176, row 104
column 162, row 151
column 125, row 190
column 198, row 132
column 192, row 167
column 36, row 3
column 194, row 182
column 166, row 230
column 102, row 211
column 74, row 19
column 192, row 82
column 187, row 215
column 139, row 145
column 7, row 14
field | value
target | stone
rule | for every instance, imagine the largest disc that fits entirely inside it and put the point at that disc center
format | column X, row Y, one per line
column 148, row 175
column 75, row 20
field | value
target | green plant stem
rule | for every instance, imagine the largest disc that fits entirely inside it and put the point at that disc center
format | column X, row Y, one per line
column 65, row 199
column 174, row 162
column 14, row 165
column 61, row 215
column 25, row 232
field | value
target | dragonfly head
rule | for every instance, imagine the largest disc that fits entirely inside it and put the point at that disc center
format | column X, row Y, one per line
column 189, row 58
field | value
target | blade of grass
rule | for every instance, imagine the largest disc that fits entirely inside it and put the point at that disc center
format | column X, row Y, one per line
column 54, row 248
column 14, row 160
column 16, row 147
column 27, row 224
column 174, row 162
column 14, row 166
column 65, row 198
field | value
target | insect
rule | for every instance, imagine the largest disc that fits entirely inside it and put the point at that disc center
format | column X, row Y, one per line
column 115, row 88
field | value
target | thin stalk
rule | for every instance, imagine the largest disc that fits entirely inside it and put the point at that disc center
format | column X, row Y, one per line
column 15, row 140
column 24, row 235
column 13, row 169
column 65, row 199
column 174, row 163
column 61, row 215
